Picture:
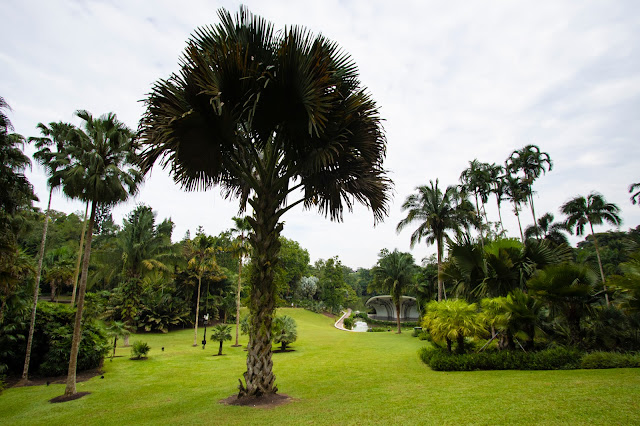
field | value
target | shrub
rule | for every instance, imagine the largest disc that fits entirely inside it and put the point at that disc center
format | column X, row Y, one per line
column 139, row 350
column 348, row 323
column 549, row 359
column 601, row 359
column 377, row 329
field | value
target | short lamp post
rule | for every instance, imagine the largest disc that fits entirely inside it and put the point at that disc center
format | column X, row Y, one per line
column 204, row 337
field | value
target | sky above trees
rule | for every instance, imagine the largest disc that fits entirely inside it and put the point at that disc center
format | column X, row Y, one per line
column 454, row 82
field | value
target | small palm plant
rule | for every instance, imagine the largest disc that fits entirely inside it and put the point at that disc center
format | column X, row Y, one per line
column 453, row 320
column 285, row 331
column 139, row 350
column 220, row 333
column 115, row 330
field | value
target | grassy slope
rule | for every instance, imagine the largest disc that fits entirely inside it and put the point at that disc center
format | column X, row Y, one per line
column 335, row 377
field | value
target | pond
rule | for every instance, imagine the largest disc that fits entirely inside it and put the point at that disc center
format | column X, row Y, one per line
column 360, row 326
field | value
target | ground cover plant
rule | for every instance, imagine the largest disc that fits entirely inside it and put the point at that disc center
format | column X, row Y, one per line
column 333, row 377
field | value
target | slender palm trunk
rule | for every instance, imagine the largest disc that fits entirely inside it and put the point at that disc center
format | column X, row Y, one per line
column 77, row 329
column 517, row 212
column 595, row 242
column 77, row 271
column 440, row 283
column 480, row 229
column 195, row 327
column 115, row 341
column 533, row 213
column 220, row 350
column 259, row 377
column 238, row 299
column 499, row 213
column 36, row 291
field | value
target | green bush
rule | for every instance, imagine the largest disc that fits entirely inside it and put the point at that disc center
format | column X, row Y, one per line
column 377, row 329
column 139, row 350
column 610, row 360
column 348, row 323
column 549, row 359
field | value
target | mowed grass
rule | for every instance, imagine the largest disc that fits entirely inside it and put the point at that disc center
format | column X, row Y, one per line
column 335, row 377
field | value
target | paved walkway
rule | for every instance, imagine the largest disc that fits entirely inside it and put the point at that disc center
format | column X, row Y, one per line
column 340, row 323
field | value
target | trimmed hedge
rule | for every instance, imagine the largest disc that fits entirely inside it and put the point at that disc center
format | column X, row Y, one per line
column 610, row 360
column 549, row 359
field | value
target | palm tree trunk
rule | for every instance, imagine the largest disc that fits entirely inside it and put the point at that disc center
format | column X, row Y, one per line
column 533, row 212
column 36, row 291
column 54, row 287
column 77, row 328
column 595, row 242
column 77, row 271
column 440, row 283
column 499, row 212
column 115, row 341
column 259, row 377
column 238, row 301
column 398, row 315
column 195, row 327
column 515, row 209
column 220, row 350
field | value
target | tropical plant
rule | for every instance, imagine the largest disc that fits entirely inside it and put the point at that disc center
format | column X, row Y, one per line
column 516, row 191
column 240, row 249
column 394, row 273
column 568, row 290
column 98, row 166
column 267, row 115
column 593, row 210
column 115, row 330
column 139, row 349
column 285, row 331
column 549, row 230
column 15, row 267
column 436, row 212
column 476, row 179
column 453, row 320
column 532, row 163
column 58, row 268
column 220, row 333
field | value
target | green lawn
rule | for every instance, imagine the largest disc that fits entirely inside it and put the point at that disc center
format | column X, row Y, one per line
column 336, row 377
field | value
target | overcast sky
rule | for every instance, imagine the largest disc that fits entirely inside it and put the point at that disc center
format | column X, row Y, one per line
column 455, row 81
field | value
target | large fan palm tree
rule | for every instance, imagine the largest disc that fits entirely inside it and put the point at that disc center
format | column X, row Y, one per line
column 532, row 163
column 240, row 249
column 276, row 119
column 395, row 273
column 98, row 166
column 436, row 212
column 593, row 210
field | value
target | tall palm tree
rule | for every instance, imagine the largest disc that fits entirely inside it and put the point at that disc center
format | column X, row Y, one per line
column 498, row 186
column 436, row 212
column 517, row 192
column 277, row 119
column 593, row 210
column 532, row 163
column 549, row 230
column 201, row 254
column 56, row 134
column 98, row 166
column 240, row 248
column 476, row 179
column 395, row 273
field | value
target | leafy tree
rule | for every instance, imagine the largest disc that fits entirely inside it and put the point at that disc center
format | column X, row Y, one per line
column 532, row 163
column 308, row 287
column 292, row 265
column 15, row 267
column 267, row 115
column 220, row 333
column 568, row 289
column 436, row 212
column 549, row 230
column 453, row 320
column 395, row 273
column 334, row 291
column 593, row 210
column 97, row 167
column 285, row 331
